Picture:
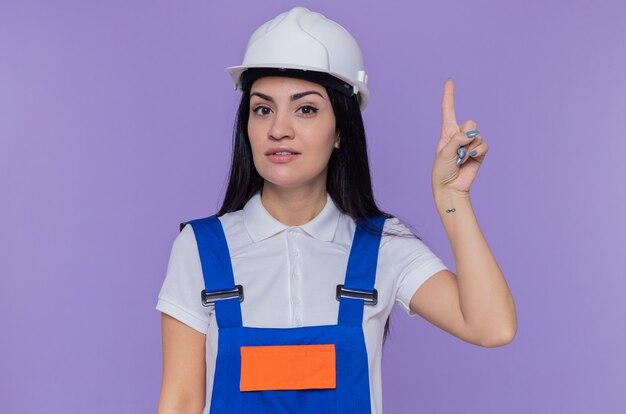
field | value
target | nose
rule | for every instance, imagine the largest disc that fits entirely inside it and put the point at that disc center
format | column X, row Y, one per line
column 281, row 126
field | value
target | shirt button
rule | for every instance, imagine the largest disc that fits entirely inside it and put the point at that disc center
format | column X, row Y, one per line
column 295, row 300
column 296, row 275
column 298, row 321
column 295, row 252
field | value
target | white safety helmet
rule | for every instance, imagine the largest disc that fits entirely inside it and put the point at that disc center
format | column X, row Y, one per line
column 304, row 40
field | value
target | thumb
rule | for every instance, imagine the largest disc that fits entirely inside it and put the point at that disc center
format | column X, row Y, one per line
column 450, row 151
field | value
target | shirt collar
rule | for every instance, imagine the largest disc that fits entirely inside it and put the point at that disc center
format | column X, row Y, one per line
column 260, row 224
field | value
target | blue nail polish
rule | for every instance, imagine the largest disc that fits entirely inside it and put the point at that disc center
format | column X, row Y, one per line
column 461, row 152
column 458, row 161
column 472, row 134
column 473, row 153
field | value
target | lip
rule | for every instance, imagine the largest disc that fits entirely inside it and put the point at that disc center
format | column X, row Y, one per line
column 280, row 149
column 281, row 159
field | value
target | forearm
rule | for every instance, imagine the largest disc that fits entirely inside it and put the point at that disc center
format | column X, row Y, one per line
column 176, row 411
column 484, row 296
column 163, row 408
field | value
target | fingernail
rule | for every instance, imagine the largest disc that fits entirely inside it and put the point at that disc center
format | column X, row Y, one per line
column 473, row 153
column 461, row 152
column 472, row 134
column 459, row 160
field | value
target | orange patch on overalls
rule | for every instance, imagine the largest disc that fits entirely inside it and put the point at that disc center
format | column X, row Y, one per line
column 287, row 367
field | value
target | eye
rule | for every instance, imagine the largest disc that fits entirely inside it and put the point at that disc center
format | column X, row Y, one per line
column 261, row 110
column 308, row 110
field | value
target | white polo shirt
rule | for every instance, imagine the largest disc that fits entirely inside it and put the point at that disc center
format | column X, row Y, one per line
column 289, row 275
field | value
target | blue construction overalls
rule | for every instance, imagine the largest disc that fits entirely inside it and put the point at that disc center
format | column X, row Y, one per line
column 337, row 377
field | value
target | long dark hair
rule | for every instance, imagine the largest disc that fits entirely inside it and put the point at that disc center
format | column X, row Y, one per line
column 348, row 180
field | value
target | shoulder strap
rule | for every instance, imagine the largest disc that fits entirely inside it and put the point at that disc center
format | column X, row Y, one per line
column 361, row 270
column 217, row 269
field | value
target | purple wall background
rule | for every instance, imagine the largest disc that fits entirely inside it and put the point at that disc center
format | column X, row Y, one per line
column 115, row 125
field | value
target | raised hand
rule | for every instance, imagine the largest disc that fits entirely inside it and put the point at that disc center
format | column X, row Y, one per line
column 458, row 156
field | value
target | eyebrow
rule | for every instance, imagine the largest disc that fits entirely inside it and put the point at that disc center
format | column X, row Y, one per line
column 294, row 97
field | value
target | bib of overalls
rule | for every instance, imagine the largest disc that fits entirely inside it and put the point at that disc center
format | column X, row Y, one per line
column 309, row 369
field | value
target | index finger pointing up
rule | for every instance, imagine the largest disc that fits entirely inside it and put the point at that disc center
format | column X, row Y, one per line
column 447, row 105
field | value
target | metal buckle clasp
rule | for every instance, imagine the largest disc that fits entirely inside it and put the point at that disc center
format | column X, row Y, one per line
column 369, row 298
column 211, row 297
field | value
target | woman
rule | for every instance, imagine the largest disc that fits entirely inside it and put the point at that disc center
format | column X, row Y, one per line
column 299, row 269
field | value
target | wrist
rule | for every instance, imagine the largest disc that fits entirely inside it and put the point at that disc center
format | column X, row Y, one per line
column 449, row 201
column 448, row 194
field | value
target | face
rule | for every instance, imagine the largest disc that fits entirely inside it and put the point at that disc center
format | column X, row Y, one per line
column 292, row 131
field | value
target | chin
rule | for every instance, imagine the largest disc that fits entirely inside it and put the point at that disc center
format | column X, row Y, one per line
column 289, row 181
column 290, row 177
column 283, row 182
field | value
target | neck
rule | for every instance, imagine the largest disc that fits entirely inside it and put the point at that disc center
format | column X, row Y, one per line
column 293, row 206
